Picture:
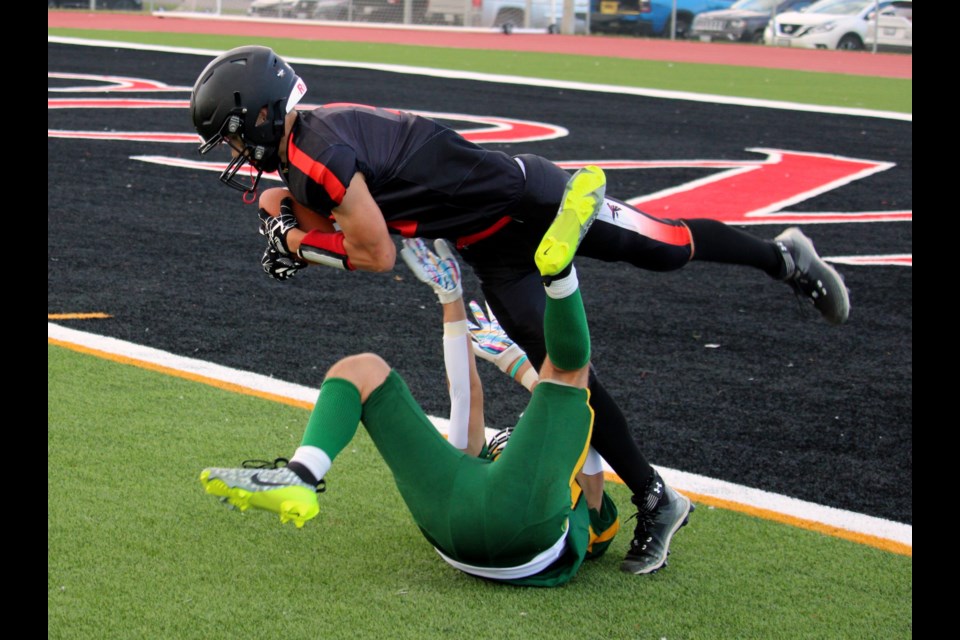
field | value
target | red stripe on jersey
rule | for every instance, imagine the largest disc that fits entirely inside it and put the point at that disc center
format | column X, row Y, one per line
column 406, row 228
column 464, row 241
column 317, row 171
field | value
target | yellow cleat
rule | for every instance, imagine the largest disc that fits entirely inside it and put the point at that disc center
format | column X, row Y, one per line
column 278, row 490
column 581, row 204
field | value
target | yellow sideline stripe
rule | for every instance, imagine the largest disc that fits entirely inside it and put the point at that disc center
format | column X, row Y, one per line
column 836, row 532
column 213, row 382
column 77, row 316
column 765, row 514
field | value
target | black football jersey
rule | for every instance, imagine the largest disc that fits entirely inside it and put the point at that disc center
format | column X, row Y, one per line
column 428, row 180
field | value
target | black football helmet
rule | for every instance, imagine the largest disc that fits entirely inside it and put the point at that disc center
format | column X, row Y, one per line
column 227, row 100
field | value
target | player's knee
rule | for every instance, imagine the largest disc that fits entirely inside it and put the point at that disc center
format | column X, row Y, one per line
column 366, row 371
column 270, row 199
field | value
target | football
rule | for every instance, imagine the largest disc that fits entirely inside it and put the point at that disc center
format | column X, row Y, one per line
column 307, row 219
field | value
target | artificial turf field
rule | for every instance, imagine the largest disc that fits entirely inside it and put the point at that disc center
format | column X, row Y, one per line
column 783, row 403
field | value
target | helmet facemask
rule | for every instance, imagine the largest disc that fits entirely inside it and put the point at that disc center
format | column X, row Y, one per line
column 229, row 134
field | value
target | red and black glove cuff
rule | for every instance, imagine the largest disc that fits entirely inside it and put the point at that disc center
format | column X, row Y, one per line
column 324, row 248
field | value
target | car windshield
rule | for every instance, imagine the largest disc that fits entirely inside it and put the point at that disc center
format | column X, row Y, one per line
column 840, row 7
column 755, row 5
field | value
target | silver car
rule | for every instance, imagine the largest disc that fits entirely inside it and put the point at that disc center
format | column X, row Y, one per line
column 744, row 21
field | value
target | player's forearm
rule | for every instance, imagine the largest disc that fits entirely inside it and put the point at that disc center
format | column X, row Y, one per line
column 456, row 349
column 377, row 257
column 454, row 311
column 335, row 249
column 523, row 372
column 476, row 433
column 466, row 416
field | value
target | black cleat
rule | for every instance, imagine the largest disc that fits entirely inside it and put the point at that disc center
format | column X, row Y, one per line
column 812, row 278
column 659, row 516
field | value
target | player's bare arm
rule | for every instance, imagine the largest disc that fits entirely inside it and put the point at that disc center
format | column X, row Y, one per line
column 366, row 239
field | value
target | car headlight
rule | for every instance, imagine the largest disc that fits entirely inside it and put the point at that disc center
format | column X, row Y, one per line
column 738, row 24
column 823, row 28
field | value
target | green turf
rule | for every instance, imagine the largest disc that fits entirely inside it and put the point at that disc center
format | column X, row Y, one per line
column 846, row 91
column 136, row 549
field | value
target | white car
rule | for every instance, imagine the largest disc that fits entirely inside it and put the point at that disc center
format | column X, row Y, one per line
column 744, row 21
column 826, row 24
column 281, row 8
column 896, row 27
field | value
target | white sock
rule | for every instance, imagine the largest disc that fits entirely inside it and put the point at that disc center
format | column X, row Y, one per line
column 564, row 287
column 314, row 459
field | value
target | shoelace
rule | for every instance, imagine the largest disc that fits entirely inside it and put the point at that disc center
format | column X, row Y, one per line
column 802, row 287
column 642, row 530
column 276, row 463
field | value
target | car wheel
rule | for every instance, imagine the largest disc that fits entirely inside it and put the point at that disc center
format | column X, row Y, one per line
column 683, row 27
column 757, row 36
column 507, row 19
column 850, row 42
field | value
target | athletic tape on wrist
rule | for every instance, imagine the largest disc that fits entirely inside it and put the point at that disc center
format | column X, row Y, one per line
column 530, row 378
column 455, row 329
column 507, row 356
column 516, row 367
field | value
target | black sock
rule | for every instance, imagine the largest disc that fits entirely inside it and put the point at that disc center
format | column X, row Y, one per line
column 614, row 442
column 303, row 473
column 548, row 280
column 715, row 241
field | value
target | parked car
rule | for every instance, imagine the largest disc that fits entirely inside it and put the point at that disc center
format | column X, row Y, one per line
column 331, row 10
column 649, row 17
column 744, row 21
column 505, row 14
column 282, row 8
column 826, row 24
column 618, row 15
column 353, row 10
column 110, row 5
column 896, row 27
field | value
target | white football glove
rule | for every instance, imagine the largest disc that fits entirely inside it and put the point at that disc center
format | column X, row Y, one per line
column 490, row 341
column 440, row 270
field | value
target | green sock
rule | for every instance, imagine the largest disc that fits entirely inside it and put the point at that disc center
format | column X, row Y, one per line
column 565, row 331
column 335, row 417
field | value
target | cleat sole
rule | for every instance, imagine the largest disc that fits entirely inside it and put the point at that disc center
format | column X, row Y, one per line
column 298, row 511
column 582, row 200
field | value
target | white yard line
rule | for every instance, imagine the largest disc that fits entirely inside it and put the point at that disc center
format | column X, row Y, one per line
column 754, row 501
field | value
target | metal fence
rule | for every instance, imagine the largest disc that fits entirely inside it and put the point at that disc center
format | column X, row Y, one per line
column 505, row 15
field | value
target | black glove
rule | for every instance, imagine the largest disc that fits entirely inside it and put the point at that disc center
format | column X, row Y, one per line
column 278, row 266
column 277, row 228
